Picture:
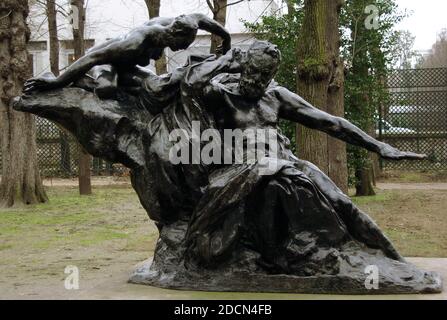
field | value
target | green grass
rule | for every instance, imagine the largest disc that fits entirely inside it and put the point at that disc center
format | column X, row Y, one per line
column 113, row 222
column 415, row 221
column 70, row 219
column 414, row 176
column 378, row 198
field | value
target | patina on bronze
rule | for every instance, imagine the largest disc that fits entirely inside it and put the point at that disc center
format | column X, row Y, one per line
column 227, row 227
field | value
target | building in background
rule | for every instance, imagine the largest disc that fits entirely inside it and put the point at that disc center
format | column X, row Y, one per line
column 112, row 18
column 57, row 150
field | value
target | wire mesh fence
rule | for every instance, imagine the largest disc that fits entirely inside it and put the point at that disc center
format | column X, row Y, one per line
column 57, row 154
column 415, row 117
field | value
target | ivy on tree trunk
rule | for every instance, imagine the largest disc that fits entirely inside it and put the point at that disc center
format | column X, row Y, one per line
column 320, row 81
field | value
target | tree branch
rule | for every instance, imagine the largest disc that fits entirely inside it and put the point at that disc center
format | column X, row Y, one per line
column 7, row 15
column 62, row 13
column 44, row 4
column 210, row 5
column 233, row 3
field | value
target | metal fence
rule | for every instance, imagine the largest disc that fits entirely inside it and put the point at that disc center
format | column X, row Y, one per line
column 57, row 153
column 415, row 117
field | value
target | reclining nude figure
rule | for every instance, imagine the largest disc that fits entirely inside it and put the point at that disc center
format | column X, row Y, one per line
column 223, row 226
column 136, row 48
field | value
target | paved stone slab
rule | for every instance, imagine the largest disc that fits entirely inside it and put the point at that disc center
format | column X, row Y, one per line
column 116, row 287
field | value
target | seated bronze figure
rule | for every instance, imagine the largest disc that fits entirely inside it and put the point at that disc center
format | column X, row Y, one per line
column 227, row 227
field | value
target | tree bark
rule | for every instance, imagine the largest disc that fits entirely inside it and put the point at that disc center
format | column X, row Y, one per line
column 366, row 176
column 364, row 186
column 337, row 153
column 78, row 30
column 321, row 82
column 54, row 66
column 53, row 37
column 153, row 8
column 85, row 160
column 219, row 10
column 21, row 181
column 361, row 102
column 314, row 70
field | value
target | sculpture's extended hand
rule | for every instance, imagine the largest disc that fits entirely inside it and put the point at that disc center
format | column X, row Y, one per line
column 390, row 153
column 294, row 108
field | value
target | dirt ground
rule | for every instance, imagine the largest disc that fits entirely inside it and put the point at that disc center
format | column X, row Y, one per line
column 107, row 234
column 102, row 235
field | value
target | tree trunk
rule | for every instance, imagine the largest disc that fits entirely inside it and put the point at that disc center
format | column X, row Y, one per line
column 375, row 168
column 219, row 11
column 364, row 186
column 54, row 66
column 153, row 8
column 53, row 37
column 65, row 163
column 314, row 71
column 78, row 30
column 366, row 176
column 337, row 153
column 321, row 82
column 85, row 160
column 361, row 104
column 21, row 181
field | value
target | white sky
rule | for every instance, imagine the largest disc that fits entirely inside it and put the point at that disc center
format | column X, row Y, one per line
column 427, row 18
column 114, row 17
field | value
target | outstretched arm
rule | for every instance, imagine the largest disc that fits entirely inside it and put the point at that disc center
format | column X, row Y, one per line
column 121, row 49
column 105, row 55
column 294, row 108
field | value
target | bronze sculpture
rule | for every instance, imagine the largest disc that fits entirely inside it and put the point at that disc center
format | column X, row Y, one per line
column 226, row 227
column 136, row 48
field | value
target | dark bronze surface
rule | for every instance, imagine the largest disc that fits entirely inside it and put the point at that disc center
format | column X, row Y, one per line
column 225, row 227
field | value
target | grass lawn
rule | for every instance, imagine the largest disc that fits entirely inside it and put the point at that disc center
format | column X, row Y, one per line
column 110, row 231
column 415, row 220
column 414, row 176
column 102, row 234
column 72, row 221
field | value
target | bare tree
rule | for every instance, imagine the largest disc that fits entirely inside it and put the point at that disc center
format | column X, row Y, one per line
column 403, row 53
column 53, row 36
column 85, row 160
column 51, row 13
column 153, row 8
column 21, row 181
column 219, row 10
column 437, row 58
